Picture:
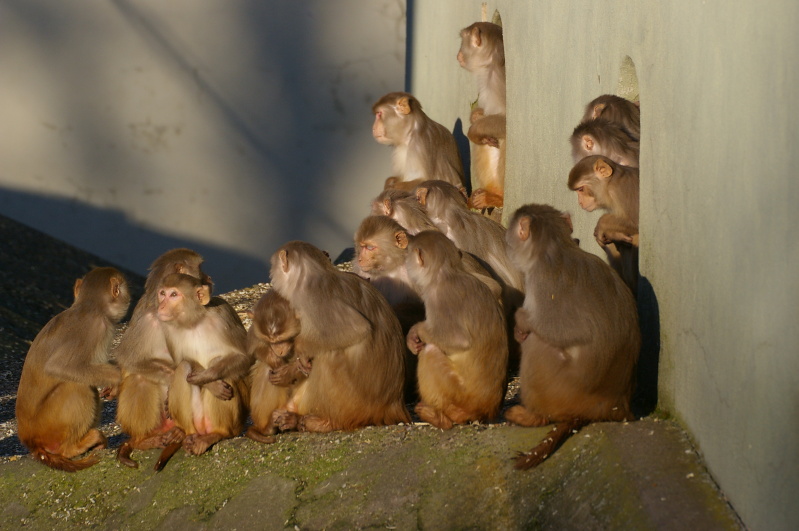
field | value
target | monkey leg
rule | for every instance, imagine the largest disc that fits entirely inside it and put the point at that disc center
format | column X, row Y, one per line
column 433, row 416
column 483, row 198
column 265, row 436
column 198, row 443
column 315, row 424
column 440, row 387
column 523, row 417
column 265, row 398
column 141, row 407
column 65, row 422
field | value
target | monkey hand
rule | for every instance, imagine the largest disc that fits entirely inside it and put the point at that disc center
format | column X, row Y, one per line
column 284, row 375
column 414, row 342
column 477, row 113
column 520, row 335
column 109, row 393
column 604, row 237
column 220, row 389
column 392, row 182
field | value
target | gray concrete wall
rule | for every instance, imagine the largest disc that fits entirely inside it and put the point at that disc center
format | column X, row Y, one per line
column 719, row 191
column 133, row 126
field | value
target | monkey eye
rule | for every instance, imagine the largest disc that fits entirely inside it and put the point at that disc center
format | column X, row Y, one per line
column 580, row 189
column 370, row 247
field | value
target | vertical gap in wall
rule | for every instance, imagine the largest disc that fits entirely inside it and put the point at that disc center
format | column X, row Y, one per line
column 409, row 12
column 628, row 81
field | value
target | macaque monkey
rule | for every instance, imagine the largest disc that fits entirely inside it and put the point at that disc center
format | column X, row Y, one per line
column 462, row 343
column 208, row 394
column 601, row 183
column 470, row 231
column 281, row 368
column 58, row 406
column 601, row 137
column 578, row 329
column 380, row 248
column 423, row 148
column 402, row 207
column 354, row 339
column 618, row 110
column 146, row 363
column 482, row 53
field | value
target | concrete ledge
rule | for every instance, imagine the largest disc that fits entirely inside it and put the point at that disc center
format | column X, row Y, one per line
column 641, row 475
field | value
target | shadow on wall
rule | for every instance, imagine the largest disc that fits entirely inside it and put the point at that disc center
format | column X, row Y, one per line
column 284, row 117
column 87, row 224
column 645, row 397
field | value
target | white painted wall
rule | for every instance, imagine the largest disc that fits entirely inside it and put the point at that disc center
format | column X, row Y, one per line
column 134, row 126
column 719, row 189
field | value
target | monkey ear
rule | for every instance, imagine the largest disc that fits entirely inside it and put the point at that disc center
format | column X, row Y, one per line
column 284, row 260
column 250, row 314
column 524, row 228
column 568, row 219
column 404, row 105
column 477, row 38
column 419, row 258
column 602, row 168
column 462, row 190
column 421, row 196
column 203, row 294
column 115, row 287
column 588, row 142
column 402, row 239
column 387, row 206
column 598, row 108
column 76, row 287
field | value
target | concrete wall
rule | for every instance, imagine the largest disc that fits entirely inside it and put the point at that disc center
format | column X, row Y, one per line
column 133, row 126
column 719, row 188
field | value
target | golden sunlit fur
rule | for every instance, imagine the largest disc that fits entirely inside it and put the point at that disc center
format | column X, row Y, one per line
column 58, row 407
column 352, row 335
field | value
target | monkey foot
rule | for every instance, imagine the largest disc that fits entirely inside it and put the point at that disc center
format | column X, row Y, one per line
column 258, row 436
column 523, row 417
column 123, row 455
column 315, row 424
column 285, row 420
column 433, row 416
column 197, row 444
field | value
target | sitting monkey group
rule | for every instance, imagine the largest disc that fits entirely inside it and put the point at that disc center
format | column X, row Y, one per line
column 443, row 306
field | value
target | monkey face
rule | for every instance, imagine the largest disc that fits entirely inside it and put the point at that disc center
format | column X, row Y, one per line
column 586, row 198
column 170, row 301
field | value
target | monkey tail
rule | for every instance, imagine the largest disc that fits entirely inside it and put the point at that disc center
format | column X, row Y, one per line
column 59, row 462
column 555, row 438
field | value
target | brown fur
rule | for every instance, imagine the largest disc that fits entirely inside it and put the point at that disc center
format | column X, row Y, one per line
column 482, row 53
column 402, row 207
column 471, row 232
column 423, row 148
column 352, row 335
column 602, row 137
column 462, row 344
column 147, row 366
column 208, row 393
column 617, row 110
column 58, row 407
column 601, row 183
column 281, row 368
column 578, row 327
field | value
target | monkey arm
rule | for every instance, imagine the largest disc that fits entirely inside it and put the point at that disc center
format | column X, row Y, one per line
column 344, row 325
column 155, row 370
column 487, row 129
column 64, row 366
column 230, row 366
column 613, row 228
